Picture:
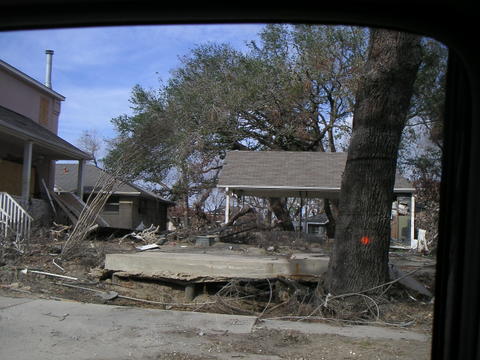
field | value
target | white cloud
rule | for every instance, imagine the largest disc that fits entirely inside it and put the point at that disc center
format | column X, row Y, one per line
column 87, row 50
column 87, row 108
column 95, row 68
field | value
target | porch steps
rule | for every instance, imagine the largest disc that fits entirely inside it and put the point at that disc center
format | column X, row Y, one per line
column 72, row 205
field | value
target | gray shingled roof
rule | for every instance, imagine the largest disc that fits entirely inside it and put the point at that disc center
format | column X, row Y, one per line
column 24, row 128
column 288, row 170
column 320, row 218
column 66, row 180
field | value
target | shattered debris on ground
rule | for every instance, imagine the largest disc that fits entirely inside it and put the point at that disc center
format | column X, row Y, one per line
column 268, row 297
column 42, row 273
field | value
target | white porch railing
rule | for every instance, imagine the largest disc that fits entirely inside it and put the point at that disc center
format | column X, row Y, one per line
column 14, row 220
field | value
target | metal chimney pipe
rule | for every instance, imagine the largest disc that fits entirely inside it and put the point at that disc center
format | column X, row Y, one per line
column 48, row 69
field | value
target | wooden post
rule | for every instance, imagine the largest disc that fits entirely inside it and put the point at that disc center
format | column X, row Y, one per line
column 301, row 213
column 80, row 178
column 26, row 172
column 412, row 219
column 189, row 292
column 227, row 206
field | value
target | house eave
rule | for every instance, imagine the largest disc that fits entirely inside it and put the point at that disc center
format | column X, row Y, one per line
column 63, row 152
column 29, row 80
column 293, row 191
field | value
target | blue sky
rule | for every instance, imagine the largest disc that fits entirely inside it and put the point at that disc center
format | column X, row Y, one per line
column 96, row 68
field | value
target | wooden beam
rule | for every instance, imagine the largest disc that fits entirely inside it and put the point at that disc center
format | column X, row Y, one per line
column 80, row 178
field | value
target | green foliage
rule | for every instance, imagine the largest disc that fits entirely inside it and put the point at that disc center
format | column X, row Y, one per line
column 294, row 89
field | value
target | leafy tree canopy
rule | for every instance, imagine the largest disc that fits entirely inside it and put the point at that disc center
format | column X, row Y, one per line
column 293, row 89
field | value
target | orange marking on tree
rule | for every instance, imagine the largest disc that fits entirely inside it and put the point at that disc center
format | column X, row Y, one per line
column 365, row 240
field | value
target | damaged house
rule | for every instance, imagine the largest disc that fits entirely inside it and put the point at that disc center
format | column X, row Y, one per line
column 29, row 147
column 316, row 225
column 129, row 206
column 301, row 174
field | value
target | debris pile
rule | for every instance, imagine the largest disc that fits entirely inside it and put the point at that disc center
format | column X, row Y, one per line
column 83, row 278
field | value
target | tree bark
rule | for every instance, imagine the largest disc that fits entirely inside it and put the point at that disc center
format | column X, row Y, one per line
column 278, row 207
column 360, row 255
column 331, row 210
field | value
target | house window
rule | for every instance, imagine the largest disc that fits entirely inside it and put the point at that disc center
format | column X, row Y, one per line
column 316, row 229
column 113, row 204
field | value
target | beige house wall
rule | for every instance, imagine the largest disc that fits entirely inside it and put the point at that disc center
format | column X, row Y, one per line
column 31, row 101
column 134, row 210
column 26, row 99
column 123, row 218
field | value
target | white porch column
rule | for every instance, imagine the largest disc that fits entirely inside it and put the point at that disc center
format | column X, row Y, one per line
column 26, row 171
column 227, row 205
column 412, row 219
column 80, row 178
column 301, row 214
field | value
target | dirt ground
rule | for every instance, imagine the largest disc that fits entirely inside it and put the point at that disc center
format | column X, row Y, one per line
column 276, row 344
column 405, row 309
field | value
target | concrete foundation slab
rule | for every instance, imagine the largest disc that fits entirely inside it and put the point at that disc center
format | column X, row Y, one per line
column 207, row 267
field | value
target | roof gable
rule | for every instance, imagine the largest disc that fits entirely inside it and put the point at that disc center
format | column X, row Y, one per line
column 66, row 180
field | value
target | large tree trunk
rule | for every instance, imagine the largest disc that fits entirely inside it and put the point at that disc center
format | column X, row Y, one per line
column 360, row 255
column 279, row 208
column 331, row 210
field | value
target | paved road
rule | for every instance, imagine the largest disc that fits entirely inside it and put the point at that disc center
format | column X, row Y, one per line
column 46, row 329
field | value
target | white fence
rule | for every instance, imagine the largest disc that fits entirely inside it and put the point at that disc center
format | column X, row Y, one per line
column 14, row 221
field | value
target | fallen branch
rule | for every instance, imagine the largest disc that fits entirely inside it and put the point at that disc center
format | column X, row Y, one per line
column 246, row 210
column 54, row 263
column 235, row 308
column 59, row 230
column 321, row 318
column 269, row 299
column 329, row 298
column 148, row 235
column 237, row 232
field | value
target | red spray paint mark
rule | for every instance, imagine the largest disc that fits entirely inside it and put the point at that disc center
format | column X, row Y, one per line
column 365, row 240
